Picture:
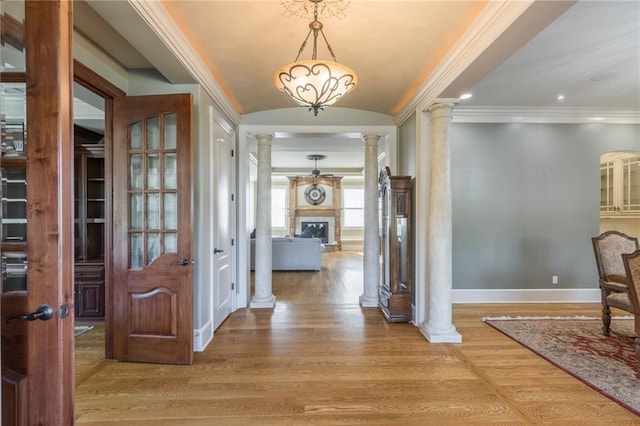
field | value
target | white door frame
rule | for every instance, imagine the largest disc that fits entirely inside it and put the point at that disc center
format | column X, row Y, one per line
column 245, row 133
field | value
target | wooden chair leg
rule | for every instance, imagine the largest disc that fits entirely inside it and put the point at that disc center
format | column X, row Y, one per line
column 637, row 329
column 606, row 319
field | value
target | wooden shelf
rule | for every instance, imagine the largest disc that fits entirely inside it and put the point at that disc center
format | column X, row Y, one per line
column 90, row 222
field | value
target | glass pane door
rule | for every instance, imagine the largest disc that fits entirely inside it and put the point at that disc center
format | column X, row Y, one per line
column 153, row 176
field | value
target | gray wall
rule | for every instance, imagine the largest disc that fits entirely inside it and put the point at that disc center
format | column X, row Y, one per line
column 407, row 148
column 526, row 202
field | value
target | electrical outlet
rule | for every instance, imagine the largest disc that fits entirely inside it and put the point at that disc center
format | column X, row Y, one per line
column 554, row 279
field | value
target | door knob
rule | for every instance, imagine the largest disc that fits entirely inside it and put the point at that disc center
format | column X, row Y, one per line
column 216, row 251
column 181, row 262
column 44, row 313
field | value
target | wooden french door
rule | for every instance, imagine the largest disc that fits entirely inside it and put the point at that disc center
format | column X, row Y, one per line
column 152, row 240
column 37, row 350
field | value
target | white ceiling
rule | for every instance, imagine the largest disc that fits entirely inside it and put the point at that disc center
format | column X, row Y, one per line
column 591, row 54
column 588, row 51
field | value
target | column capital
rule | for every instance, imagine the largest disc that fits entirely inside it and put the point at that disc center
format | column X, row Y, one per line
column 371, row 139
column 264, row 137
column 442, row 106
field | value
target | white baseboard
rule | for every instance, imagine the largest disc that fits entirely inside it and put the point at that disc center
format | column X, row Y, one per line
column 202, row 336
column 546, row 295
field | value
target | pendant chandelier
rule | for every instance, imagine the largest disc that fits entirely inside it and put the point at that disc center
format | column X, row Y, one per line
column 313, row 83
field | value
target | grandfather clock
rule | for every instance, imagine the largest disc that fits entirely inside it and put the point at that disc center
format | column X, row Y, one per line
column 395, row 274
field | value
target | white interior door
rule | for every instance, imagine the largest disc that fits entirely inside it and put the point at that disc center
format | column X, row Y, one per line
column 223, row 221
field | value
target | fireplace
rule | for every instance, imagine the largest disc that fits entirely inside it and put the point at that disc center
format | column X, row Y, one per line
column 322, row 220
column 317, row 230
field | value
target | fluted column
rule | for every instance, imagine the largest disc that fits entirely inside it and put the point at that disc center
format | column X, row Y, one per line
column 263, row 297
column 369, row 298
column 438, row 327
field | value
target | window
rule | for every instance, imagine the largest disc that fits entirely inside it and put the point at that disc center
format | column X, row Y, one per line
column 279, row 207
column 353, row 207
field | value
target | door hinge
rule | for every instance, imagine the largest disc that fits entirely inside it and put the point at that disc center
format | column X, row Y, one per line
column 232, row 152
column 233, row 286
column 233, row 241
column 232, row 197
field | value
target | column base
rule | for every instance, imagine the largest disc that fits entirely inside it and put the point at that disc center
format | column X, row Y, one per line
column 440, row 335
column 368, row 302
column 268, row 303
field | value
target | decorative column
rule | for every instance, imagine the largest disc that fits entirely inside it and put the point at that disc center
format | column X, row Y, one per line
column 369, row 299
column 438, row 328
column 263, row 297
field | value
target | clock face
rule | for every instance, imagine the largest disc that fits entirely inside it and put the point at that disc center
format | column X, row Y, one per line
column 314, row 194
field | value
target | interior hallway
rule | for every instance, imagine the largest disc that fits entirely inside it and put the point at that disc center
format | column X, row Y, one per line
column 318, row 358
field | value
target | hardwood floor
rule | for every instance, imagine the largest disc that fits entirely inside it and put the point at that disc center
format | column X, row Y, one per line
column 319, row 359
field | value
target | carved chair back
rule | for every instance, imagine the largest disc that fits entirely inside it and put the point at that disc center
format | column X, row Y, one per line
column 609, row 248
column 632, row 267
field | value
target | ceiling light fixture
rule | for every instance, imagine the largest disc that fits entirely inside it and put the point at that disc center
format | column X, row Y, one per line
column 466, row 96
column 560, row 97
column 313, row 83
column 315, row 157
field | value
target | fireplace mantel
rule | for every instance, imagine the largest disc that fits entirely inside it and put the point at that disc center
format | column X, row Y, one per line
column 329, row 208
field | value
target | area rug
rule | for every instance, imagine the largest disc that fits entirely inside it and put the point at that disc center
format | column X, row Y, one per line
column 81, row 329
column 576, row 345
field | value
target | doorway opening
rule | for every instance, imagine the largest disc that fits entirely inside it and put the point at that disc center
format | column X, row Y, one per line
column 91, row 227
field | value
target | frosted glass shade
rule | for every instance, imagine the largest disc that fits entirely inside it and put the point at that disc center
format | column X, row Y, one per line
column 315, row 84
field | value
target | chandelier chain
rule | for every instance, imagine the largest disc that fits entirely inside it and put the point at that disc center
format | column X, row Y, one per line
column 304, row 44
column 315, row 84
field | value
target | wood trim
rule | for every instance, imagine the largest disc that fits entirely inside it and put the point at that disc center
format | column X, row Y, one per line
column 11, row 31
column 51, row 363
column 14, row 360
column 321, row 212
column 14, row 398
column 94, row 82
column 13, row 77
column 82, row 135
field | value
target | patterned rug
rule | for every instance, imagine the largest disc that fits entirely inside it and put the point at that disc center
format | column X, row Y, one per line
column 576, row 345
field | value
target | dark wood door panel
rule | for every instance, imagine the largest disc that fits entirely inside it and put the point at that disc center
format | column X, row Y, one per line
column 153, row 273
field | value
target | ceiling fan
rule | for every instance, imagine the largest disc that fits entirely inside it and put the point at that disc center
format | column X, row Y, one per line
column 315, row 172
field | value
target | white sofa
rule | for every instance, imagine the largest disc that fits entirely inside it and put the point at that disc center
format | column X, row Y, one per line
column 293, row 254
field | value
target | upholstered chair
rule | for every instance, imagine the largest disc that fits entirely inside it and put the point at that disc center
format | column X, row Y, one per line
column 608, row 248
column 632, row 267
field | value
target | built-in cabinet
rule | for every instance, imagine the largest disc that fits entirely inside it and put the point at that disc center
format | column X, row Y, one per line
column 90, row 207
column 620, row 185
column 395, row 243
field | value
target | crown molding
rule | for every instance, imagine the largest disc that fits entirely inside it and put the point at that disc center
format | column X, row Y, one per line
column 492, row 22
column 156, row 16
column 566, row 115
